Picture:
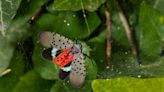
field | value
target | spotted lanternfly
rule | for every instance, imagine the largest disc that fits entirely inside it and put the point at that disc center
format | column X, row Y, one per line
column 66, row 54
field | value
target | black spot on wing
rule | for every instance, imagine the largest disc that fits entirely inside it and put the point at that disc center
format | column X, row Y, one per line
column 61, row 42
column 78, row 65
column 67, row 64
column 77, row 74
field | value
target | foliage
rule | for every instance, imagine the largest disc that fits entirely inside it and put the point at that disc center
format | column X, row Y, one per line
column 84, row 21
column 128, row 84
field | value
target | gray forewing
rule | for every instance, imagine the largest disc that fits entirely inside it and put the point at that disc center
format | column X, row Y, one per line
column 52, row 39
column 78, row 71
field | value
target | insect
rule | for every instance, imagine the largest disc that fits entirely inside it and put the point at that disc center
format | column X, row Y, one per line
column 66, row 54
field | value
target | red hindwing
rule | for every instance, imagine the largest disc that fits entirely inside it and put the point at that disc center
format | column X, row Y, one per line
column 63, row 58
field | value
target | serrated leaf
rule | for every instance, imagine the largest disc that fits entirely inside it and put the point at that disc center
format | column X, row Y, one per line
column 128, row 85
column 74, row 5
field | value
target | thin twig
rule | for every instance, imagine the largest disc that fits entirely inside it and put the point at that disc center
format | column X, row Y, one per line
column 129, row 33
column 109, row 33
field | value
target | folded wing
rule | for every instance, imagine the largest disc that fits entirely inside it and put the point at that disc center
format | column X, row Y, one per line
column 54, row 40
column 78, row 71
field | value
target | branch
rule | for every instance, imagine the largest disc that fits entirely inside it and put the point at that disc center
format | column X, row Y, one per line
column 129, row 33
column 109, row 33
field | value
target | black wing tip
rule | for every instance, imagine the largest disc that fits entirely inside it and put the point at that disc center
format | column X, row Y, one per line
column 63, row 74
column 46, row 54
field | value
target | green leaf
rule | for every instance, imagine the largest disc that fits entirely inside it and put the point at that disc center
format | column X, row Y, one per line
column 8, row 81
column 154, row 69
column 8, row 10
column 118, row 32
column 58, row 87
column 151, row 29
column 98, row 43
column 6, row 51
column 128, row 85
column 74, row 5
column 69, row 24
column 98, row 50
column 17, row 28
column 31, row 82
column 159, row 5
column 61, row 86
column 91, row 68
column 122, row 63
column 28, row 9
column 85, row 48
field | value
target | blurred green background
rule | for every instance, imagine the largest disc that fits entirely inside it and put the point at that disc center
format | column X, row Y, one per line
column 84, row 21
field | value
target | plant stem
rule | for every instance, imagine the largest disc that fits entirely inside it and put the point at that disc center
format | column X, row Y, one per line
column 129, row 33
column 109, row 33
